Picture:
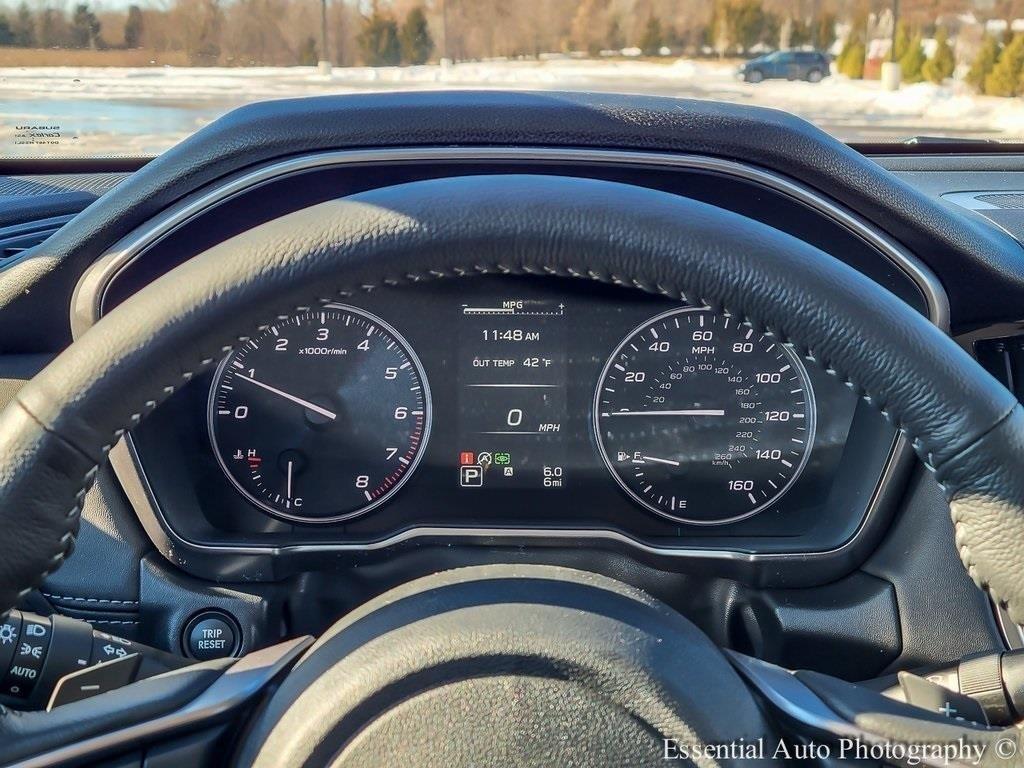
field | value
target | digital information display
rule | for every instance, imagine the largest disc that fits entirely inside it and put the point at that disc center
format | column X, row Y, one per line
column 512, row 375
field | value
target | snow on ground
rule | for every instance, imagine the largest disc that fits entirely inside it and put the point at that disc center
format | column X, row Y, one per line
column 144, row 110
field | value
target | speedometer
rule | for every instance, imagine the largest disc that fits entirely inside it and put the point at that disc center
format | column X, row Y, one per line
column 322, row 416
column 702, row 419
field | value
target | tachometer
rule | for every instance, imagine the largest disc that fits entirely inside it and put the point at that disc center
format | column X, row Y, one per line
column 702, row 419
column 322, row 416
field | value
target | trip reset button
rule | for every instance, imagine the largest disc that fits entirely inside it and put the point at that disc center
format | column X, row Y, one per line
column 211, row 635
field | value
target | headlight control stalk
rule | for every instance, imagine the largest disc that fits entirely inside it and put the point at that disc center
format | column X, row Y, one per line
column 46, row 661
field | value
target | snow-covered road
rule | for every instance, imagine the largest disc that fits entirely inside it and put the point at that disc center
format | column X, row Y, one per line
column 63, row 110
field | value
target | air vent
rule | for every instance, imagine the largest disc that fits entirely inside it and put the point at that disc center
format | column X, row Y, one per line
column 1004, row 359
column 17, row 239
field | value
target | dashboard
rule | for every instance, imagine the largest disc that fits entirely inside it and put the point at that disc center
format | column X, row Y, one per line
column 440, row 421
column 495, row 391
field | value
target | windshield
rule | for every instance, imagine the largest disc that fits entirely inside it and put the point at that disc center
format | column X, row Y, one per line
column 120, row 78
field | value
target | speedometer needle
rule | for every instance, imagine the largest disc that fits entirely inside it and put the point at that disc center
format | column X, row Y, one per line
column 690, row 412
column 298, row 400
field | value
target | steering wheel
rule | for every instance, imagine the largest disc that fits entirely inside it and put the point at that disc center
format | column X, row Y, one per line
column 527, row 665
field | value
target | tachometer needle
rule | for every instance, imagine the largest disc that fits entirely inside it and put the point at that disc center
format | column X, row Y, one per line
column 298, row 400
column 690, row 412
column 288, row 487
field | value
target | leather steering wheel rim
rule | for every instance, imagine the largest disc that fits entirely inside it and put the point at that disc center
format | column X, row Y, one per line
column 965, row 427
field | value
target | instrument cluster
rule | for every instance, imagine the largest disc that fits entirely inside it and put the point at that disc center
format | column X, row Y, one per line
column 324, row 416
column 497, row 406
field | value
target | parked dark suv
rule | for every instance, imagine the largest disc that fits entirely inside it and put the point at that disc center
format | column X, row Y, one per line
column 791, row 65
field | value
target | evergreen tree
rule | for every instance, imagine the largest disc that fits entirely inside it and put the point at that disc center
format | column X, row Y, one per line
column 1004, row 79
column 651, row 40
column 133, row 27
column 308, row 54
column 741, row 24
column 85, row 28
column 23, row 30
column 942, row 62
column 378, row 40
column 983, row 63
column 901, row 42
column 7, row 36
column 850, row 61
column 50, row 29
column 752, row 24
column 912, row 61
column 417, row 44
